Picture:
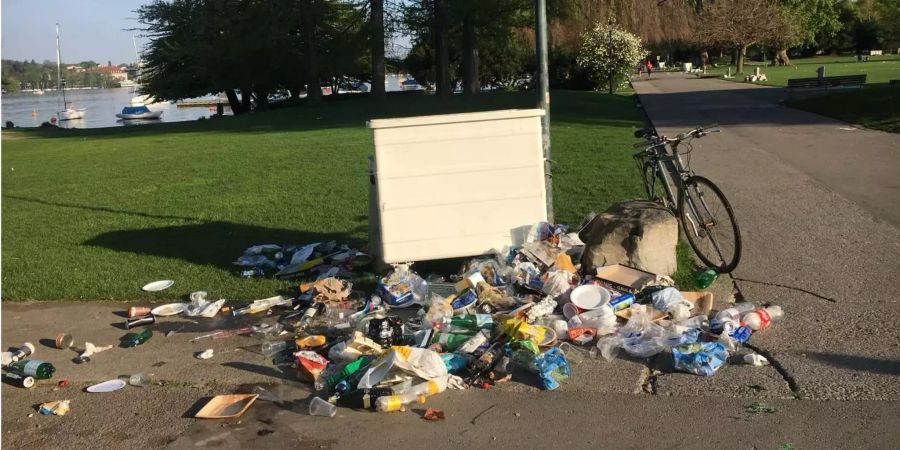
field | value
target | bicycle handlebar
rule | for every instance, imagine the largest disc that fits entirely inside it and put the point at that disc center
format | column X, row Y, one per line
column 695, row 133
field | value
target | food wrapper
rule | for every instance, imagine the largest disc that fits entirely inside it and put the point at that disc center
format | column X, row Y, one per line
column 309, row 365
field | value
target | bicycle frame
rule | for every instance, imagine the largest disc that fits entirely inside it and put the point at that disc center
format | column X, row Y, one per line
column 671, row 171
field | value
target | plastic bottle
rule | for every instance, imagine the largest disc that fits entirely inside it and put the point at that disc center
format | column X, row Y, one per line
column 361, row 398
column 26, row 350
column 706, row 278
column 732, row 315
column 417, row 393
column 450, row 341
column 139, row 380
column 40, row 370
column 273, row 348
column 763, row 317
column 701, row 322
column 353, row 367
column 135, row 339
column 19, row 380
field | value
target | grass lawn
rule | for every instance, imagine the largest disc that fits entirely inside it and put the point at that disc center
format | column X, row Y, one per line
column 879, row 69
column 876, row 107
column 95, row 214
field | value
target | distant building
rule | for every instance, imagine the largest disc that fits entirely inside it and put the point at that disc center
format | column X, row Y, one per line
column 114, row 72
column 75, row 68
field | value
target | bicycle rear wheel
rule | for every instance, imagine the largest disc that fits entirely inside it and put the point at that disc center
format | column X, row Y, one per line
column 709, row 224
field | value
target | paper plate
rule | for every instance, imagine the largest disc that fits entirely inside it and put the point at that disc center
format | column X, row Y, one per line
column 549, row 336
column 158, row 285
column 589, row 296
column 107, row 386
column 169, row 309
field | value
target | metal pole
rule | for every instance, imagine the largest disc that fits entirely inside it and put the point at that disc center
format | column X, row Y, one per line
column 540, row 14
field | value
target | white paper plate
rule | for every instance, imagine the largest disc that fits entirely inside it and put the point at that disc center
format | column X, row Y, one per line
column 169, row 309
column 158, row 285
column 107, row 386
column 589, row 296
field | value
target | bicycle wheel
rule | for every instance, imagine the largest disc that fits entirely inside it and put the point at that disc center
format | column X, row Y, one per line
column 709, row 224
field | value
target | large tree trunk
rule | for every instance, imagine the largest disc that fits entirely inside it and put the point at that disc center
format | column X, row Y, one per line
column 741, row 56
column 781, row 58
column 313, row 90
column 470, row 57
column 262, row 98
column 376, row 22
column 441, row 50
column 234, row 102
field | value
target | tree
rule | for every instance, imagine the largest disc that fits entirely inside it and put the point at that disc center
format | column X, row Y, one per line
column 888, row 16
column 609, row 54
column 376, row 24
column 738, row 24
column 801, row 22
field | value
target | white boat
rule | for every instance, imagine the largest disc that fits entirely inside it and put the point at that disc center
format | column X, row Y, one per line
column 139, row 106
column 68, row 110
column 37, row 92
column 138, row 113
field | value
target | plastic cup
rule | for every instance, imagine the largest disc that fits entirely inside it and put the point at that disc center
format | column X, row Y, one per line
column 321, row 408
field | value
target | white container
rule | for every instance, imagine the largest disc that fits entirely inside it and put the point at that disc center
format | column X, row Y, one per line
column 455, row 185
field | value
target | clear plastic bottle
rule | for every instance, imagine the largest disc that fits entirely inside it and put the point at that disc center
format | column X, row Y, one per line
column 732, row 315
column 701, row 322
column 763, row 317
column 417, row 393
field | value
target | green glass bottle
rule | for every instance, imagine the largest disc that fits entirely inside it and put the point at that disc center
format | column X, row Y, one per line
column 135, row 339
column 348, row 370
column 40, row 370
column 705, row 278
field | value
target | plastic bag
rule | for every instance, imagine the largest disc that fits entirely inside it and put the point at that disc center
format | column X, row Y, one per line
column 423, row 363
column 552, row 365
column 609, row 346
column 642, row 338
column 309, row 365
column 671, row 301
column 699, row 358
column 557, row 282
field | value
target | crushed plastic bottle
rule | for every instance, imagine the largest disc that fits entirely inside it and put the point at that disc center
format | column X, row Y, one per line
column 763, row 317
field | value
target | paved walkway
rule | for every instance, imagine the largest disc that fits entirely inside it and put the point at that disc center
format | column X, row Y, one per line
column 819, row 207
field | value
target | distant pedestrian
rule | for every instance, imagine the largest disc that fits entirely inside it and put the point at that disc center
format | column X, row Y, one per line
column 649, row 67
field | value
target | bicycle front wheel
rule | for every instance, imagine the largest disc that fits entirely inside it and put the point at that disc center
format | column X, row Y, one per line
column 709, row 224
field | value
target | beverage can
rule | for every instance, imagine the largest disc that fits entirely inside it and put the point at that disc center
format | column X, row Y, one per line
column 64, row 341
column 621, row 302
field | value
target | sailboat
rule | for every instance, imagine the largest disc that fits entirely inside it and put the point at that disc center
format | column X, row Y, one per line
column 137, row 107
column 68, row 111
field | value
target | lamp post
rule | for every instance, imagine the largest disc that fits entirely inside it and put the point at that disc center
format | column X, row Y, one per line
column 540, row 14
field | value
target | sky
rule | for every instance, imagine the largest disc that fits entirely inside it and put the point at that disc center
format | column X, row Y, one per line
column 89, row 30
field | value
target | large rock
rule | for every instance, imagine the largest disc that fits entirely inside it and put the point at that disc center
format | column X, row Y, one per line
column 635, row 233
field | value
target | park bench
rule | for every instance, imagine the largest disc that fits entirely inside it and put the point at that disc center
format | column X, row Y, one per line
column 827, row 82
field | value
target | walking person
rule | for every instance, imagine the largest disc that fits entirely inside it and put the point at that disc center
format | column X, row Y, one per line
column 649, row 67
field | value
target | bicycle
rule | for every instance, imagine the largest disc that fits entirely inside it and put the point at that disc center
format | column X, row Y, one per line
column 706, row 216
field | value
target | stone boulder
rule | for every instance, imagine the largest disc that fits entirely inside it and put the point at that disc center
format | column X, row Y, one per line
column 635, row 233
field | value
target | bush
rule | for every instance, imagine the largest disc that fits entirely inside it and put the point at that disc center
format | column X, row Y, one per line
column 609, row 52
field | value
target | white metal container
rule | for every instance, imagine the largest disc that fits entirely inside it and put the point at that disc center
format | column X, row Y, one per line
column 455, row 185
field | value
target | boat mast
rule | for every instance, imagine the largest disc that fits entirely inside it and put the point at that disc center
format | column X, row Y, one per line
column 59, row 73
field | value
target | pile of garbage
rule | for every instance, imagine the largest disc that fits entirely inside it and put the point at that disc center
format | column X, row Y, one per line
column 522, row 308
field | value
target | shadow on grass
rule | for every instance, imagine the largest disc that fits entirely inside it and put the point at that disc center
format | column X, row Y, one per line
column 216, row 244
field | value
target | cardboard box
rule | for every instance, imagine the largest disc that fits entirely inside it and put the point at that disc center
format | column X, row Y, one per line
column 623, row 278
column 703, row 302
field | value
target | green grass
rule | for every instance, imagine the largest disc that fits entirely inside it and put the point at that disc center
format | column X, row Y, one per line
column 95, row 214
column 879, row 69
column 876, row 107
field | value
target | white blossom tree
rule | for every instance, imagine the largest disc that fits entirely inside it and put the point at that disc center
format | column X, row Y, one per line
column 609, row 54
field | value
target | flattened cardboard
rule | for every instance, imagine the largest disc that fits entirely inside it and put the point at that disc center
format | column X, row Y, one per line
column 226, row 406
column 623, row 278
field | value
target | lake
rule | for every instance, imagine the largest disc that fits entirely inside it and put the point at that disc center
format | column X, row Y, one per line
column 29, row 110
